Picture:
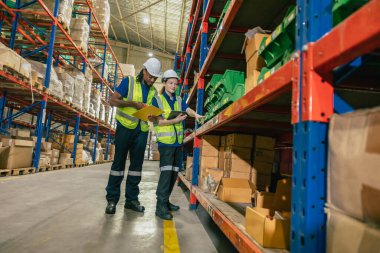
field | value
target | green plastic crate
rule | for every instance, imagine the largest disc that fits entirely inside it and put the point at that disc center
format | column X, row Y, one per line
column 228, row 82
column 344, row 8
column 220, row 20
column 214, row 80
column 282, row 39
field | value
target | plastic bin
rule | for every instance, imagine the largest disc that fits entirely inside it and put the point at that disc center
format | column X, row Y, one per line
column 344, row 8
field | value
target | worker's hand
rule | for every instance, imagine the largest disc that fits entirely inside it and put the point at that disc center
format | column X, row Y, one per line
column 152, row 119
column 180, row 118
column 139, row 105
column 199, row 118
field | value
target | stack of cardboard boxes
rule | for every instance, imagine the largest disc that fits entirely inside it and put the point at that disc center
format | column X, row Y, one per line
column 16, row 152
column 65, row 159
column 54, row 156
column 154, row 154
column 111, row 152
column 46, row 154
column 263, row 161
column 68, row 142
column 254, row 62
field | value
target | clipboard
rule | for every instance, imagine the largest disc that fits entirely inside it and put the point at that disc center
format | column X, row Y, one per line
column 174, row 114
column 147, row 111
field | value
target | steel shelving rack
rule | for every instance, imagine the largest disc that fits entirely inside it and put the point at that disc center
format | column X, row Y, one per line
column 45, row 35
column 330, row 72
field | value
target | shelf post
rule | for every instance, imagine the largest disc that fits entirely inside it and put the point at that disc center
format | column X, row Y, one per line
column 39, row 132
column 186, row 89
column 48, row 126
column 9, row 114
column 3, row 103
column 76, row 138
column 14, row 26
column 95, row 143
column 204, row 46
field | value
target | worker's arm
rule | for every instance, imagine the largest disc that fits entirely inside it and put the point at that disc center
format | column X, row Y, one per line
column 193, row 114
column 160, row 121
column 117, row 100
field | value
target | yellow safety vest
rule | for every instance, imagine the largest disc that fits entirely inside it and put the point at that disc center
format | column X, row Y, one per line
column 124, row 115
column 169, row 134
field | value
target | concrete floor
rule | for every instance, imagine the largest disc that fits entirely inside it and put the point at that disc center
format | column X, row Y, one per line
column 63, row 211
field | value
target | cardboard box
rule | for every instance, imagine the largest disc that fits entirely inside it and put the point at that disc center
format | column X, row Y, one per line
column 263, row 142
column 238, row 165
column 18, row 155
column 268, row 231
column 48, row 153
column 253, row 176
column 240, row 140
column 241, row 175
column 255, row 63
column 263, row 155
column 65, row 161
column 263, row 167
column 223, row 141
column 251, row 81
column 54, row 160
column 235, row 190
column 221, row 158
column 348, row 235
column 252, row 45
column 232, row 152
column 209, row 162
column 189, row 168
column 282, row 200
column 45, row 146
column 210, row 140
column 353, row 165
column 264, row 199
column 209, row 179
column 263, row 181
column 22, row 133
column 65, row 155
column 209, row 151
column 55, row 153
column 70, row 138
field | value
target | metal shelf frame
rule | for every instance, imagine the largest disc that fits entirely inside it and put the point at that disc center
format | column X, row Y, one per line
column 309, row 79
column 47, row 108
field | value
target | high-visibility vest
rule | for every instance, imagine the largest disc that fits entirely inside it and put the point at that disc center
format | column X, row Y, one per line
column 169, row 134
column 124, row 114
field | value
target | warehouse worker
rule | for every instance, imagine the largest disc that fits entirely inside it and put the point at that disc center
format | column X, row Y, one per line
column 131, row 95
column 169, row 137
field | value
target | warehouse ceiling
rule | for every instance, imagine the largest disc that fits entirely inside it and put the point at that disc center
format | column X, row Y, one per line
column 157, row 24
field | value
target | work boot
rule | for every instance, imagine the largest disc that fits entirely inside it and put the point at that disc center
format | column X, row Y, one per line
column 162, row 211
column 172, row 207
column 135, row 206
column 111, row 207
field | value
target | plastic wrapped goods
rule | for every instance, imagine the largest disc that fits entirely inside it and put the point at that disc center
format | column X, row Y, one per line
column 95, row 100
column 91, row 111
column 86, row 96
column 55, row 86
column 68, row 83
column 102, row 113
column 79, row 83
column 80, row 32
column 103, row 14
column 65, row 10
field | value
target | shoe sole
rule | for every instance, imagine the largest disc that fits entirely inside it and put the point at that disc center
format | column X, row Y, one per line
column 163, row 218
column 138, row 211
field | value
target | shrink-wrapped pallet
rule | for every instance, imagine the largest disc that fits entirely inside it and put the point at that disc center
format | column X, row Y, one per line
column 103, row 14
column 68, row 83
column 65, row 10
column 80, row 32
column 95, row 100
column 102, row 112
column 87, row 96
column 79, row 83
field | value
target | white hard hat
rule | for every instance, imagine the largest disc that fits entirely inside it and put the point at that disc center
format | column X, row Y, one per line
column 153, row 66
column 169, row 74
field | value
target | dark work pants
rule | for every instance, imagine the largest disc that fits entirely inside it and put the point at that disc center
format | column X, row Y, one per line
column 133, row 141
column 170, row 163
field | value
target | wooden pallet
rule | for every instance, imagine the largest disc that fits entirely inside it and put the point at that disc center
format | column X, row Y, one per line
column 68, row 166
column 42, row 169
column 81, row 164
column 5, row 173
column 9, row 70
column 23, row 171
column 56, row 166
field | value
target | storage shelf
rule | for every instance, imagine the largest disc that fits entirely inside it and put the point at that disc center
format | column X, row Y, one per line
column 230, row 221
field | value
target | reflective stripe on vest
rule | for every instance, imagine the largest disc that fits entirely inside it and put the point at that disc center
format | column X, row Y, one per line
column 124, row 115
column 168, row 134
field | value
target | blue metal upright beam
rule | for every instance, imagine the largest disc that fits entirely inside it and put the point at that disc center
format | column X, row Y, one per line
column 9, row 117
column 76, row 138
column 95, row 143
column 14, row 27
column 48, row 126
column 49, row 60
column 39, row 133
column 3, row 102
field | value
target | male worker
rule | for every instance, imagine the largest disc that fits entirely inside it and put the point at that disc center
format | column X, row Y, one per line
column 131, row 95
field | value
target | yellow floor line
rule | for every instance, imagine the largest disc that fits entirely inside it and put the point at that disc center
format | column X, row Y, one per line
column 171, row 244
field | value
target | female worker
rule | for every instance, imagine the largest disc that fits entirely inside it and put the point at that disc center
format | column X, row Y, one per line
column 169, row 137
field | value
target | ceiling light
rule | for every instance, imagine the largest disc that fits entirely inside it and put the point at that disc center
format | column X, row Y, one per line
column 146, row 20
column 150, row 54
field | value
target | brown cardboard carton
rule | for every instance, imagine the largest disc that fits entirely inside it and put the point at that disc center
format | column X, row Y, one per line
column 45, row 146
column 209, row 179
column 238, row 165
column 21, row 133
column 240, row 140
column 263, row 155
column 252, row 80
column 263, row 142
column 69, row 138
column 265, row 199
column 282, row 200
column 189, row 168
column 263, row 167
column 252, row 45
column 241, row 175
column 65, row 155
column 223, row 141
column 55, row 153
column 18, row 155
column 348, row 235
column 221, row 158
column 268, row 230
column 54, row 161
column 353, row 165
column 209, row 162
column 209, row 150
column 210, row 140
column 263, row 181
column 65, row 161
column 232, row 152
column 253, row 176
column 234, row 190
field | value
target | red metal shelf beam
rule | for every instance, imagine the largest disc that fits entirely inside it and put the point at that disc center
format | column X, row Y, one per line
column 357, row 35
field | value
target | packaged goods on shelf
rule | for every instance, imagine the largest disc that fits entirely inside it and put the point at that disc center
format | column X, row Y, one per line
column 91, row 110
column 102, row 113
column 68, row 84
column 80, row 32
column 95, row 100
column 127, row 69
column 235, row 190
column 15, row 153
column 65, row 10
column 14, row 61
column 103, row 14
column 353, row 167
column 79, row 83
column 86, row 96
column 55, row 85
